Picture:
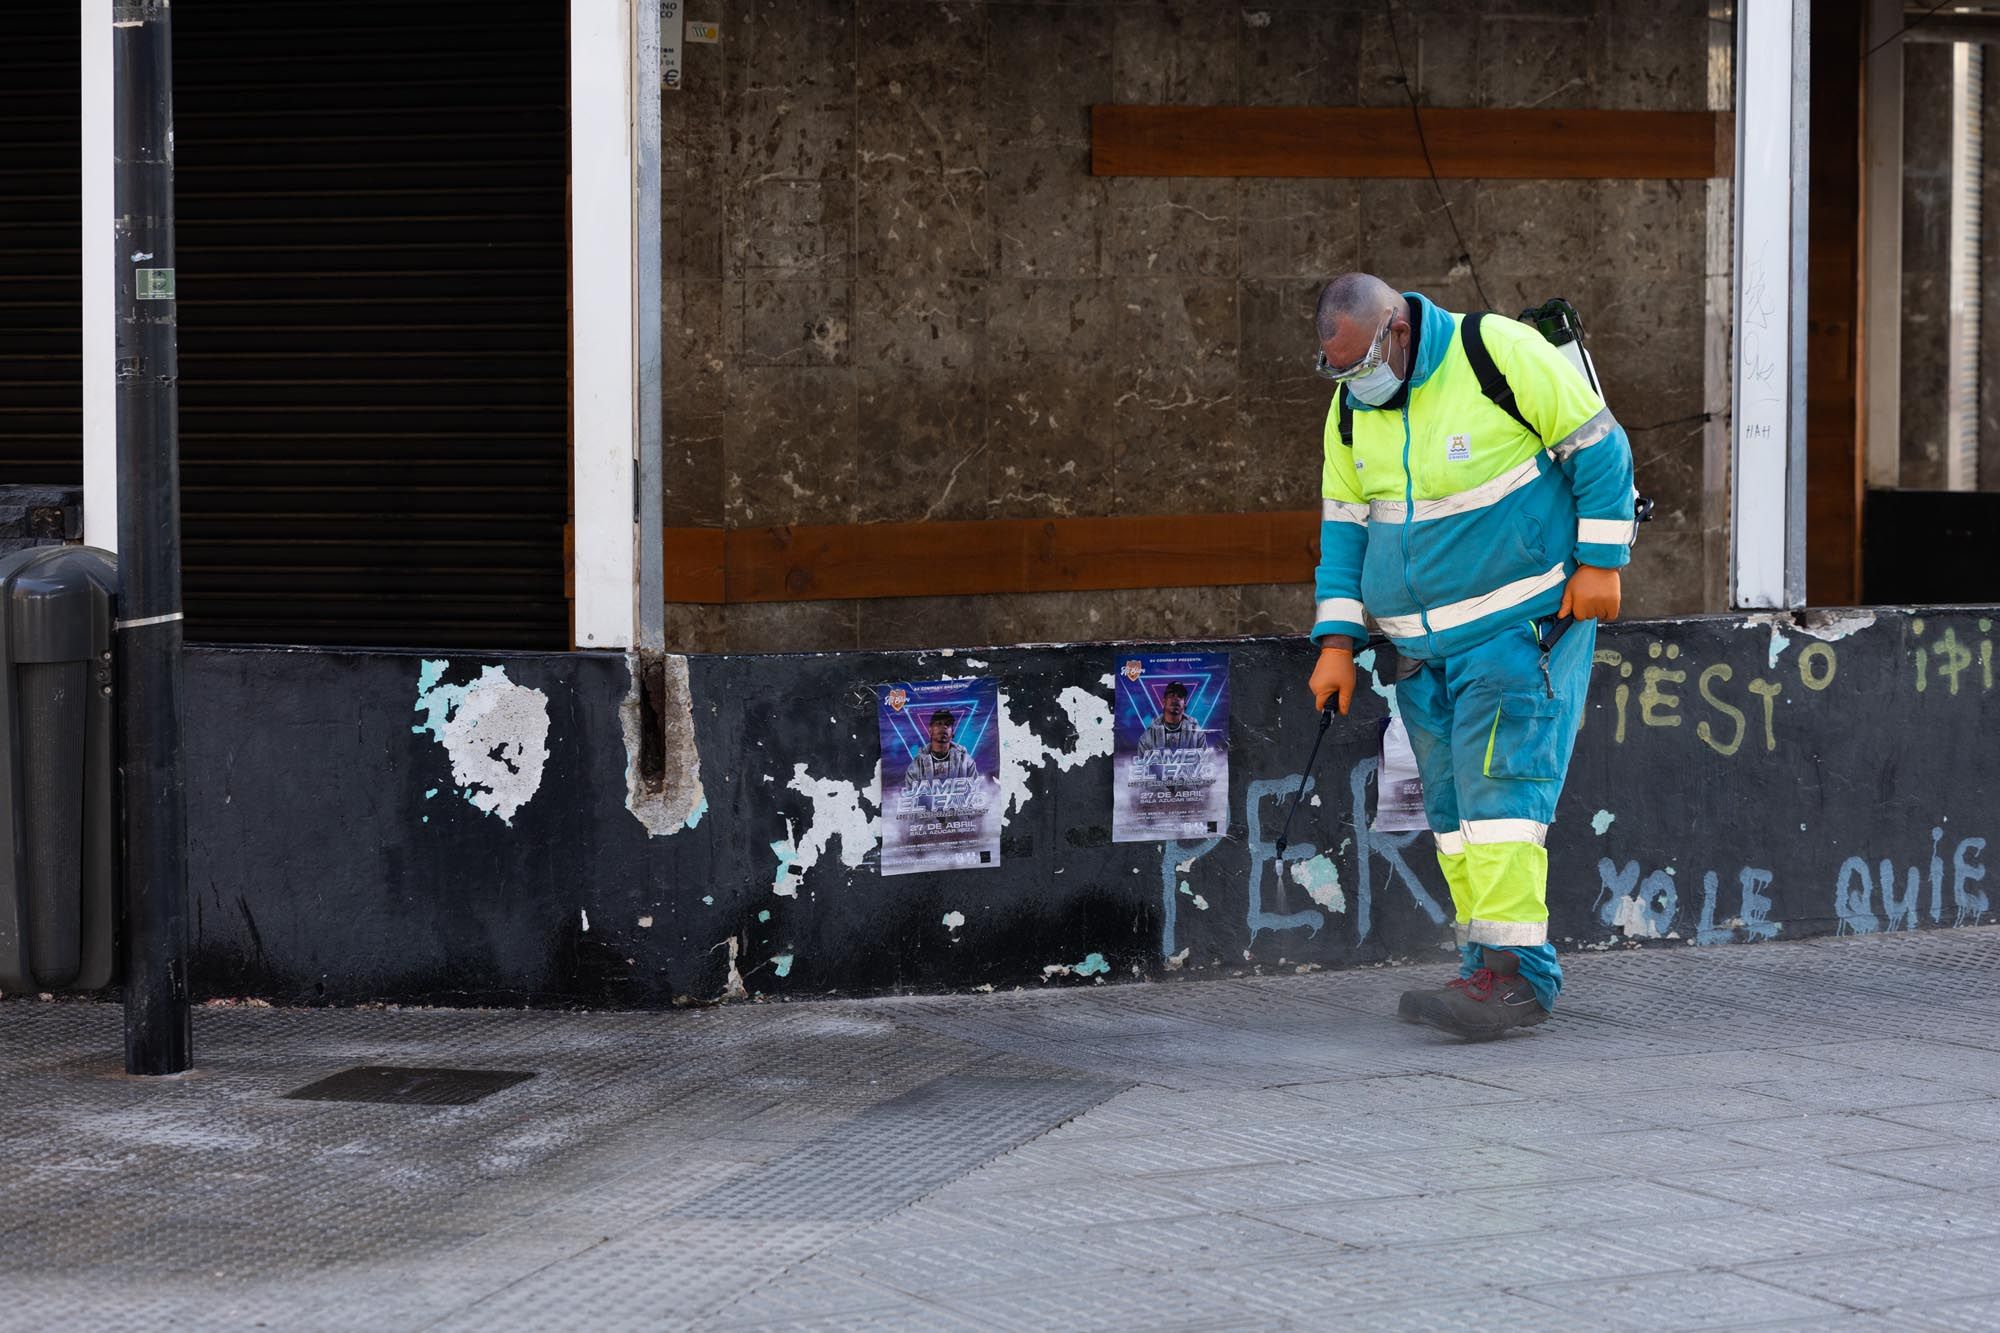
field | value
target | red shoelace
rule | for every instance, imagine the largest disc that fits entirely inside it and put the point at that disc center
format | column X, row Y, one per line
column 1478, row 986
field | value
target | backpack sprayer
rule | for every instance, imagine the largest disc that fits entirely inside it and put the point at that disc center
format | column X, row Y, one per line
column 1559, row 324
column 1562, row 328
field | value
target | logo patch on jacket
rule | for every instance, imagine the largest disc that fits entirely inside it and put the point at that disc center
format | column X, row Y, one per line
column 1458, row 449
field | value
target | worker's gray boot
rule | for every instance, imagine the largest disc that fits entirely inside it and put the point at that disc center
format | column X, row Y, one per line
column 1410, row 1006
column 1487, row 1004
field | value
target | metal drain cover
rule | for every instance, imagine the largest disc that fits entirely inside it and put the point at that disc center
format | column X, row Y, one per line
column 410, row 1087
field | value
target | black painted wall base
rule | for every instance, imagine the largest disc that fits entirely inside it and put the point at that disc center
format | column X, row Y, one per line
column 378, row 826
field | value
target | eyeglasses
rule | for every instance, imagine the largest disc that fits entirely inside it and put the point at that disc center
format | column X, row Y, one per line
column 1378, row 352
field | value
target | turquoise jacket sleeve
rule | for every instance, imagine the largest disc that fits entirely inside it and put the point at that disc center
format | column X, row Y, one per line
column 1601, row 477
column 1337, row 583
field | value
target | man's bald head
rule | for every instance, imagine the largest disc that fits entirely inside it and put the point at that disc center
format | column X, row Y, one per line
column 1354, row 310
column 1353, row 298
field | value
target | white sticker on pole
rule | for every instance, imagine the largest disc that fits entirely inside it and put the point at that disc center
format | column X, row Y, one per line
column 673, row 18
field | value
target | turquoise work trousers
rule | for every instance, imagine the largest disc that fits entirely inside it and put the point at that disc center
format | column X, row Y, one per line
column 1492, row 729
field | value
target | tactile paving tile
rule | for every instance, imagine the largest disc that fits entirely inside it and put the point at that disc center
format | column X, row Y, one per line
column 901, row 1149
column 1480, row 1310
column 1737, row 1238
column 1837, row 1089
column 1679, row 1300
column 1115, row 1304
column 1796, row 1183
column 1350, row 1282
column 1830, row 1135
column 1898, row 1275
column 1603, row 1202
column 1182, row 1243
column 1979, row 1315
column 1409, row 1220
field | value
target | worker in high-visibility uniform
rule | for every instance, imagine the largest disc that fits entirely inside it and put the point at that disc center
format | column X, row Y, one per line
column 1466, row 530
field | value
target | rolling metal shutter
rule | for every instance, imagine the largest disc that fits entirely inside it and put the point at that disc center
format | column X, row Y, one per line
column 373, row 268
column 41, row 282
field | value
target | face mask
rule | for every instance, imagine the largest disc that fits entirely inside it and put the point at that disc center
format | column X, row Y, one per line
column 1377, row 386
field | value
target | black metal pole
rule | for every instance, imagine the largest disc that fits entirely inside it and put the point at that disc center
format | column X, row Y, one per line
column 158, row 1033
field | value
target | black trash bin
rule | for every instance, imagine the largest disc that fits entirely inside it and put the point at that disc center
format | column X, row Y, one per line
column 58, row 789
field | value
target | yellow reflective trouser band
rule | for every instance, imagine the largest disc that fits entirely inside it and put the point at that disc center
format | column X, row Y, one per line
column 1460, row 881
column 1506, row 899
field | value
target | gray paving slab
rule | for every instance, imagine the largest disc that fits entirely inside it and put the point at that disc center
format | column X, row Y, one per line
column 1784, row 1135
column 1978, row 1315
column 1893, row 1276
column 1702, row 1299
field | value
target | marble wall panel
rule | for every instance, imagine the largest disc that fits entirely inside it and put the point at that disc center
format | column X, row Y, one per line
column 1176, row 53
column 1298, row 228
column 1172, row 228
column 1048, row 212
column 789, row 446
column 922, row 449
column 1302, row 56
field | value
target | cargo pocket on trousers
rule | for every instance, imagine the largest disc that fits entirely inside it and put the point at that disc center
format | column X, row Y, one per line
column 1524, row 739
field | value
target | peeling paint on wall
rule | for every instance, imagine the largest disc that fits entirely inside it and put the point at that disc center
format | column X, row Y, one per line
column 785, row 881
column 496, row 733
column 837, row 814
column 677, row 802
column 1091, row 966
column 733, row 987
column 1633, row 918
column 1021, row 750
column 1366, row 662
column 1320, row 878
column 1832, row 626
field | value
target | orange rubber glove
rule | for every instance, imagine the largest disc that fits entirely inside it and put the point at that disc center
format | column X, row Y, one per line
column 1592, row 594
column 1333, row 676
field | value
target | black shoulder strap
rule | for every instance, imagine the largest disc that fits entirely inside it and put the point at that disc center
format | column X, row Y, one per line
column 1491, row 382
column 1346, row 420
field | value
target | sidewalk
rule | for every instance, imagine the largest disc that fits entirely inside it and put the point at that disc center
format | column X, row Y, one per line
column 1752, row 1136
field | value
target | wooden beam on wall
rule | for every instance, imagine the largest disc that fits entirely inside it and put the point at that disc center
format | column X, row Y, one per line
column 838, row 562
column 1326, row 142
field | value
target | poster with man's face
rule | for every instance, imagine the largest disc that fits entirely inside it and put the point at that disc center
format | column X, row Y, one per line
column 940, row 775
column 1171, row 758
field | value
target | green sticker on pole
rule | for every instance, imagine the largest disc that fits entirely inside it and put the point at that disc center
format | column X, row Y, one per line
column 154, row 284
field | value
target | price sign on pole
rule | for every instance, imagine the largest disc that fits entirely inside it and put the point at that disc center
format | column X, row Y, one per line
column 673, row 19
